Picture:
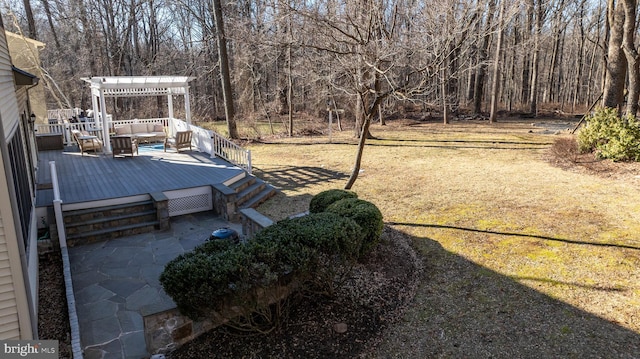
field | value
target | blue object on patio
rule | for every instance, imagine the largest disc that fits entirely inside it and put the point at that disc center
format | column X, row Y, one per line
column 224, row 233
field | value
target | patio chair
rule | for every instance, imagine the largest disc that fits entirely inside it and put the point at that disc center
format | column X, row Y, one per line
column 123, row 145
column 86, row 142
column 181, row 140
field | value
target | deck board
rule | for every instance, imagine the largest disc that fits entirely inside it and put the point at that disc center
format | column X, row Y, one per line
column 96, row 177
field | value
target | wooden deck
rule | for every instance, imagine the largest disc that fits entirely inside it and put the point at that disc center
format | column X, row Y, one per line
column 97, row 177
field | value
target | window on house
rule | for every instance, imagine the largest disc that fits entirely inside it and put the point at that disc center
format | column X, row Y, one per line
column 21, row 182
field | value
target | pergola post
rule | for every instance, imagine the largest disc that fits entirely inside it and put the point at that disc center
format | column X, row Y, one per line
column 94, row 107
column 187, row 106
column 105, row 124
column 170, row 106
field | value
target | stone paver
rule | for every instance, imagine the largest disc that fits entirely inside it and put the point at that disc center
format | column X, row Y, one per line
column 116, row 281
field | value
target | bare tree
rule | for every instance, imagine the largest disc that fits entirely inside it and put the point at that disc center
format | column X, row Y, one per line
column 224, row 70
column 496, row 66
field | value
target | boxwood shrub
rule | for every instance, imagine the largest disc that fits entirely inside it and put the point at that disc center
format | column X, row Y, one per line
column 324, row 199
column 198, row 281
column 309, row 249
column 317, row 247
column 366, row 214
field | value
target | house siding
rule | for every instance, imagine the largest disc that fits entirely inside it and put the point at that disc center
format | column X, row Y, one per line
column 9, row 321
column 8, row 100
column 18, row 300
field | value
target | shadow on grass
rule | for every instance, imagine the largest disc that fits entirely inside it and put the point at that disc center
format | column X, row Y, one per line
column 446, row 144
column 465, row 310
column 499, row 142
column 291, row 177
column 460, row 144
column 570, row 241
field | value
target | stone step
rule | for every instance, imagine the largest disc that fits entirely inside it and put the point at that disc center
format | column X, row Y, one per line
column 83, row 215
column 110, row 222
column 247, row 193
column 242, row 184
column 260, row 197
column 103, row 223
column 111, row 233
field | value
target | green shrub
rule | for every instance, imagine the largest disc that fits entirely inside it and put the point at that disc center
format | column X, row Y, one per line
column 310, row 249
column 198, row 281
column 327, row 233
column 324, row 199
column 366, row 214
column 611, row 136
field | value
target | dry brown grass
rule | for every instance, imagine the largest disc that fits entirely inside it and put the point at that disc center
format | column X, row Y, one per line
column 524, row 257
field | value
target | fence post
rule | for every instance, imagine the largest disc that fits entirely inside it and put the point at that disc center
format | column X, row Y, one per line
column 57, row 205
column 249, row 161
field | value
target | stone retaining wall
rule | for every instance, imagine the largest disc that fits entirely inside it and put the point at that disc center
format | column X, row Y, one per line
column 168, row 329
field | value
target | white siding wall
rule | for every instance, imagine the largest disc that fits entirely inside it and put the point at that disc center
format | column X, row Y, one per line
column 15, row 314
column 8, row 100
column 9, row 323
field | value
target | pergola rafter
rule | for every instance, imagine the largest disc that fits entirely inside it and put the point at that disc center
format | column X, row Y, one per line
column 135, row 86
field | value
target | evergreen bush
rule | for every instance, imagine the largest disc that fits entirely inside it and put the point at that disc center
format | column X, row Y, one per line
column 324, row 199
column 310, row 249
column 364, row 213
column 611, row 136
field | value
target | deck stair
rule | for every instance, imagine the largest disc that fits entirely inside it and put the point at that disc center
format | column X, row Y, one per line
column 103, row 223
column 251, row 191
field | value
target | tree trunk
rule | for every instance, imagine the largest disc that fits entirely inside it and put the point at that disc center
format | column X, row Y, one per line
column 478, row 91
column 47, row 10
column 526, row 62
column 631, row 54
column 579, row 78
column 535, row 73
column 290, row 84
column 445, row 105
column 615, row 71
column 496, row 66
column 31, row 22
column 227, row 93
column 371, row 112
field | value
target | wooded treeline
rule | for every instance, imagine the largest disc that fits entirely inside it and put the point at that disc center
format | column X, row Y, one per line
column 291, row 56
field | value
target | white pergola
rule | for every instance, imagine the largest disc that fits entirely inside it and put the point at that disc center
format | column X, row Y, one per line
column 135, row 86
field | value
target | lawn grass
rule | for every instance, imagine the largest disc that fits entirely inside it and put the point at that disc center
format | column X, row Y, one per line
column 498, row 226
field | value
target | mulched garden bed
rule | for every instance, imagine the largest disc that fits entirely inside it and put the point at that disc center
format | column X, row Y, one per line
column 53, row 317
column 346, row 325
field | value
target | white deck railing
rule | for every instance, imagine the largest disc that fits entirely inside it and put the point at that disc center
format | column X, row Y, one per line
column 204, row 140
column 216, row 145
column 231, row 152
column 63, row 114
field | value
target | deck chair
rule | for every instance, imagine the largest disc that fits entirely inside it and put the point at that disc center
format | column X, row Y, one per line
column 181, row 140
column 86, row 142
column 123, row 145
